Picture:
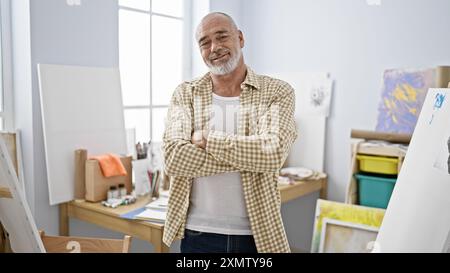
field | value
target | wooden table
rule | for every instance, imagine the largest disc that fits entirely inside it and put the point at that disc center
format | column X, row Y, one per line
column 302, row 188
column 110, row 218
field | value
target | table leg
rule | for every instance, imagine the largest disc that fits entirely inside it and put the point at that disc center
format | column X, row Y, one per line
column 64, row 219
column 159, row 245
column 324, row 190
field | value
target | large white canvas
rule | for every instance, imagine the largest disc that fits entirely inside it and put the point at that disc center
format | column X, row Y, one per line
column 417, row 218
column 81, row 108
column 309, row 148
column 15, row 214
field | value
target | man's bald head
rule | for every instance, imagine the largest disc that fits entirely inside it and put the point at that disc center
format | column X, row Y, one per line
column 221, row 17
column 220, row 43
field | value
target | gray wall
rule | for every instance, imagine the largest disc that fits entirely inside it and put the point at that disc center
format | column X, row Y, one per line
column 355, row 42
column 61, row 34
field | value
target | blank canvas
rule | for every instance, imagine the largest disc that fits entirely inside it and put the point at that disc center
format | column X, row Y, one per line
column 81, row 108
column 417, row 218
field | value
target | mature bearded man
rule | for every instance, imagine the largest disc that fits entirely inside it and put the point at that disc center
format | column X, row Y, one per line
column 227, row 135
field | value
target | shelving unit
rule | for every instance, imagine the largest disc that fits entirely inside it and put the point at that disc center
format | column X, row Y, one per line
column 357, row 148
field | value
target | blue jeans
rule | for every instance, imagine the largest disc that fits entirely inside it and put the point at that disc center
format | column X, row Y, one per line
column 203, row 242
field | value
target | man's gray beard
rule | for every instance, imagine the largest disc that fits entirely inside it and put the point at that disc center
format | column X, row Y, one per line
column 228, row 67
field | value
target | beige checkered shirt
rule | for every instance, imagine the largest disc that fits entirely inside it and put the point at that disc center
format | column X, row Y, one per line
column 266, row 131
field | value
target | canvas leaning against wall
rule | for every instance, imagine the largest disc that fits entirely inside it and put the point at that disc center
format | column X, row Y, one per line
column 403, row 94
column 345, row 237
column 370, row 218
column 416, row 219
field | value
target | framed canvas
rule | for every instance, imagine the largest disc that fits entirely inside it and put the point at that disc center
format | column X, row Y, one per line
column 346, row 237
column 359, row 215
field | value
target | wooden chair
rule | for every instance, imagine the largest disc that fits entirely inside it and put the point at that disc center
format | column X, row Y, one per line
column 63, row 244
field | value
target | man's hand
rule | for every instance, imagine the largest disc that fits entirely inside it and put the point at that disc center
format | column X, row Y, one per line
column 199, row 138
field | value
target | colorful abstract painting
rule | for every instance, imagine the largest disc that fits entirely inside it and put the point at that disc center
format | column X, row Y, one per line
column 402, row 98
column 344, row 212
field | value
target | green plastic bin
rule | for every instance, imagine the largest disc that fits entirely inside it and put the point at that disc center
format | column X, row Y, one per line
column 375, row 191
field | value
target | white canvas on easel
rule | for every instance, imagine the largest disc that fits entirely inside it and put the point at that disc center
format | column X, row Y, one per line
column 309, row 148
column 417, row 218
column 15, row 214
column 81, row 109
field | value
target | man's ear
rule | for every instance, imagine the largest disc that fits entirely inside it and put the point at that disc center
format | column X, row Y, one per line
column 241, row 39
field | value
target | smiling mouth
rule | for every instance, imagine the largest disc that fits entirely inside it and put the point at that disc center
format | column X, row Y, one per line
column 219, row 58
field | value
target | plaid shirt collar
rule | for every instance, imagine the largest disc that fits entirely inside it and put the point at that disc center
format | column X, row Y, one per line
column 205, row 81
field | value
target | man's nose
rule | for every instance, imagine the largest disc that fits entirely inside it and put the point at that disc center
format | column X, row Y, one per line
column 215, row 46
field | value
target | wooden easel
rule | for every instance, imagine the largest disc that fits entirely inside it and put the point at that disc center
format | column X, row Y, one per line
column 46, row 243
column 11, row 142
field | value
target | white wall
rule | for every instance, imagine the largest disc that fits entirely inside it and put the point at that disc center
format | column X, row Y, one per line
column 230, row 7
column 23, row 103
column 355, row 42
column 199, row 9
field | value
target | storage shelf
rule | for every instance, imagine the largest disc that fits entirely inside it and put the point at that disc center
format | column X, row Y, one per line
column 382, row 151
column 360, row 148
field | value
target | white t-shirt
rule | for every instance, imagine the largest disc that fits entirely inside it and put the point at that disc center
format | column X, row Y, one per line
column 217, row 202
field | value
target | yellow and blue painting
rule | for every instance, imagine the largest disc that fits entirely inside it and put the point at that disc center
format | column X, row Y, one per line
column 403, row 94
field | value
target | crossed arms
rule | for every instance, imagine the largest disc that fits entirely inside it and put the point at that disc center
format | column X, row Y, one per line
column 264, row 151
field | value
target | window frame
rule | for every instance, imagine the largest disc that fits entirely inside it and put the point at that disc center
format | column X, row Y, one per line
column 186, row 55
column 7, row 113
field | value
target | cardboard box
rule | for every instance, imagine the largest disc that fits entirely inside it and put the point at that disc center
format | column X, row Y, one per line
column 97, row 186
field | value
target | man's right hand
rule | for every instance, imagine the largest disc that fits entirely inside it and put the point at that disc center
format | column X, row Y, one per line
column 199, row 138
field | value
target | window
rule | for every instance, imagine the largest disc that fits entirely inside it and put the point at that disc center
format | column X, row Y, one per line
column 6, row 94
column 153, row 56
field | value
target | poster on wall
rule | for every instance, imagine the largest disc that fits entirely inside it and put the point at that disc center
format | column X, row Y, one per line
column 313, row 99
